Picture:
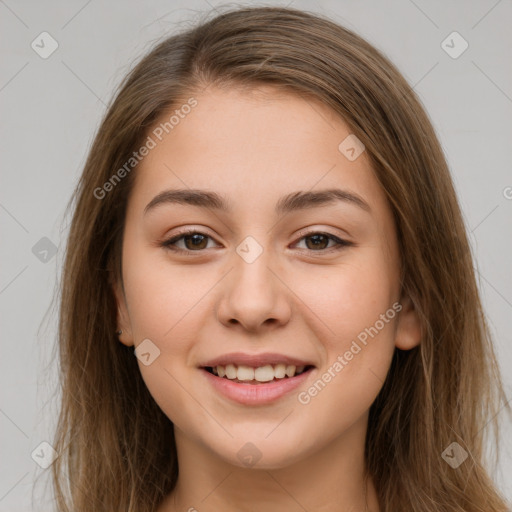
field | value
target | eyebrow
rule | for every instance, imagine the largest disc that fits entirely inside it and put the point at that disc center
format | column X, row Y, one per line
column 295, row 201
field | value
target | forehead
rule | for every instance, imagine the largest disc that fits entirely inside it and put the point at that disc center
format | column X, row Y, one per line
column 253, row 147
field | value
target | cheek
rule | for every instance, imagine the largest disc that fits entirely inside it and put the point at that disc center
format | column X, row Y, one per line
column 358, row 347
column 348, row 298
column 354, row 317
column 163, row 297
column 164, row 304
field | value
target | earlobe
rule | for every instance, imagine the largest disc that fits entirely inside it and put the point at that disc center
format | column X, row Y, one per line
column 123, row 329
column 408, row 330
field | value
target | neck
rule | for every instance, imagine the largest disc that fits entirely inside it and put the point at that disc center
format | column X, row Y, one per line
column 329, row 480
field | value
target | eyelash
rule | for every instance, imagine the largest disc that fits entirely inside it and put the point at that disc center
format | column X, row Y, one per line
column 168, row 244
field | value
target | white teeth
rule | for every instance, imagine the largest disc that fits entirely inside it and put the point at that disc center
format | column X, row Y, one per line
column 245, row 373
column 264, row 373
column 290, row 370
column 231, row 371
column 280, row 371
column 261, row 374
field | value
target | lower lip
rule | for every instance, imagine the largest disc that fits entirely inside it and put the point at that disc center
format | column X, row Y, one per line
column 256, row 394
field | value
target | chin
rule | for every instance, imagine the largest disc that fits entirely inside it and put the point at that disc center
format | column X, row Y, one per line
column 255, row 452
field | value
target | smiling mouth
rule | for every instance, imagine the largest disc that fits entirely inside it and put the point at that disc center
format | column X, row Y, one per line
column 243, row 374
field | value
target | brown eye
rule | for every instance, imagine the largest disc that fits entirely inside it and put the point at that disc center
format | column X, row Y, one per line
column 319, row 242
column 193, row 241
column 196, row 241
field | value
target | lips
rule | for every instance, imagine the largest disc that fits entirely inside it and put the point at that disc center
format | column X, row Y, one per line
column 254, row 360
column 254, row 393
column 256, row 379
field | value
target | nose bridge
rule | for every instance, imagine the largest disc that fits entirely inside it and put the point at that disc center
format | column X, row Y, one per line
column 252, row 276
column 255, row 257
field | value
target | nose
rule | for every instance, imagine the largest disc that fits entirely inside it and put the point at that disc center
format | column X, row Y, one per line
column 255, row 295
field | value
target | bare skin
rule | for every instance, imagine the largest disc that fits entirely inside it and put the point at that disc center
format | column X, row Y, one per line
column 296, row 298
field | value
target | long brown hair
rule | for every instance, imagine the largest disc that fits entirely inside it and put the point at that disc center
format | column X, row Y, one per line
column 117, row 449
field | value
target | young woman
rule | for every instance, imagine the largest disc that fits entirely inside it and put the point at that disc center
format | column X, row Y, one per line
column 268, row 299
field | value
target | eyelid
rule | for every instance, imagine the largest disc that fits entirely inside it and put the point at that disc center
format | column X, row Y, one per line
column 315, row 229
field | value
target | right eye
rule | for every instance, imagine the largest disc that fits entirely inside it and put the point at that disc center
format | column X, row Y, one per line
column 193, row 238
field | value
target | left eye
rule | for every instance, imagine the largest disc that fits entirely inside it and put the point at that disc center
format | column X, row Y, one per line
column 197, row 241
column 319, row 241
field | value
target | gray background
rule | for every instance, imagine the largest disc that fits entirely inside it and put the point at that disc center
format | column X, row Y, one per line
column 51, row 109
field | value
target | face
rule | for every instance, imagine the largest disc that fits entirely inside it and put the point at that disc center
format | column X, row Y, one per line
column 268, row 280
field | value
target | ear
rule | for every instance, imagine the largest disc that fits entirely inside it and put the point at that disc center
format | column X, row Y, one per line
column 408, row 329
column 123, row 318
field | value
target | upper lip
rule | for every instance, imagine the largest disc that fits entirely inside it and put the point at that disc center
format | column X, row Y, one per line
column 254, row 360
